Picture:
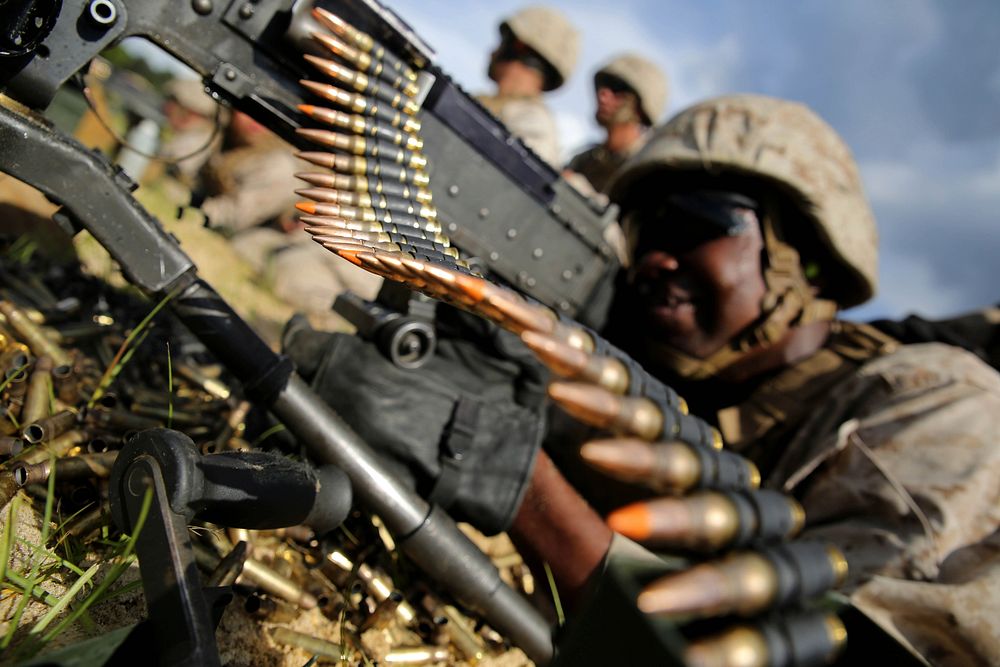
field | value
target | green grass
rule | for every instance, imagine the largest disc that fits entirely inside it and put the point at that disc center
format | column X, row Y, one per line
column 46, row 564
column 560, row 616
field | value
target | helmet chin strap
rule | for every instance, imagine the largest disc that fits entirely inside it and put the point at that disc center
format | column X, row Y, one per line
column 789, row 302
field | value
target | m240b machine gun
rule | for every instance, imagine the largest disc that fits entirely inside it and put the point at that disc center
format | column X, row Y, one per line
column 498, row 202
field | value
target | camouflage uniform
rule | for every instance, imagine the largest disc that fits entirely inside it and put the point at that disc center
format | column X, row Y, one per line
column 891, row 448
column 550, row 35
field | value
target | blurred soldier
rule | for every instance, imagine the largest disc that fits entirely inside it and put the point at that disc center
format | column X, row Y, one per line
column 631, row 95
column 251, row 196
column 750, row 229
column 194, row 119
column 537, row 53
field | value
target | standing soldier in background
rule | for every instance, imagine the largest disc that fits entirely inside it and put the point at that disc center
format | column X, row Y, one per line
column 631, row 95
column 537, row 53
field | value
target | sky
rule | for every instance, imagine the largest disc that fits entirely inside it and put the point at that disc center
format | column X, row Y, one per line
column 913, row 86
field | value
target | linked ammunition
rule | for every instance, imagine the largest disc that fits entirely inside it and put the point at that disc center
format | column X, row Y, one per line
column 10, row 446
column 381, row 237
column 369, row 185
column 426, row 226
column 371, row 167
column 394, row 205
column 416, row 246
column 710, row 520
column 670, row 467
column 376, row 148
column 66, row 469
column 639, row 416
column 49, row 427
column 32, row 334
column 363, row 126
column 575, row 364
column 362, row 105
column 748, row 582
column 362, row 41
column 364, row 85
column 417, row 655
column 370, row 215
column 809, row 638
column 370, row 66
column 310, row 644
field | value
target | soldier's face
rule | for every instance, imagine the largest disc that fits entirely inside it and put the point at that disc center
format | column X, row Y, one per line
column 697, row 289
column 616, row 103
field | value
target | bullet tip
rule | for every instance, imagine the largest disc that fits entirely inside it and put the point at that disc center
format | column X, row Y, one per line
column 307, row 109
column 306, row 207
column 632, row 521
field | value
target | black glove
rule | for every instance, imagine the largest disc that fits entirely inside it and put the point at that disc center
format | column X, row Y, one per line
column 463, row 430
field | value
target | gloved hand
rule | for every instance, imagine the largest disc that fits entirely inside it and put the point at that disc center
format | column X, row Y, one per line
column 463, row 429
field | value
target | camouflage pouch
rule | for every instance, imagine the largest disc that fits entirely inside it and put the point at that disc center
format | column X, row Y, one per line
column 463, row 430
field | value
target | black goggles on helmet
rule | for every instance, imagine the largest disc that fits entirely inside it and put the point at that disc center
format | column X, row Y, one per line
column 682, row 221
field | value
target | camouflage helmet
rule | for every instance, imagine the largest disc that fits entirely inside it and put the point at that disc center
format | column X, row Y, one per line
column 644, row 77
column 550, row 34
column 783, row 145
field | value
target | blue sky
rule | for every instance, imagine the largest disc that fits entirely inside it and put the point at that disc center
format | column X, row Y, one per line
column 912, row 85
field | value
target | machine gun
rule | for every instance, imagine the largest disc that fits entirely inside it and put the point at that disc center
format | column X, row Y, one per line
column 503, row 205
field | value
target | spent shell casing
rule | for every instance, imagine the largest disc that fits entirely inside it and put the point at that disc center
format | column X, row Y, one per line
column 66, row 384
column 363, row 84
column 32, row 334
column 708, row 521
column 268, row 580
column 50, row 427
column 10, row 446
column 116, row 419
column 359, row 104
column 36, row 397
column 384, row 612
column 362, row 41
column 200, row 378
column 364, row 126
column 373, row 147
column 572, row 363
column 310, row 644
column 373, row 67
column 57, row 447
column 417, row 655
column 746, row 583
column 670, row 467
column 66, row 469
